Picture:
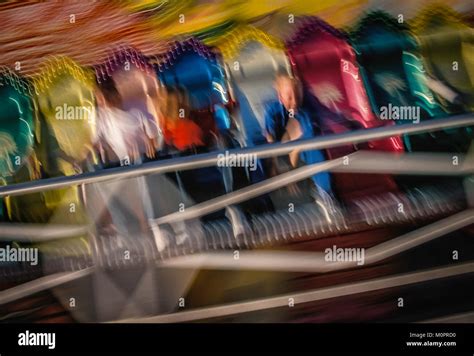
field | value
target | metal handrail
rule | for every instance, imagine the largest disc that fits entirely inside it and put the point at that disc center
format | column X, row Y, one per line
column 308, row 296
column 376, row 254
column 30, row 232
column 314, row 262
column 262, row 151
column 41, row 284
column 360, row 161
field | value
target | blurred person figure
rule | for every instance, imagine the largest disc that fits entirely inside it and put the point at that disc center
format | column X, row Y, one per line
column 64, row 107
column 122, row 139
column 179, row 131
column 16, row 135
column 287, row 120
column 139, row 91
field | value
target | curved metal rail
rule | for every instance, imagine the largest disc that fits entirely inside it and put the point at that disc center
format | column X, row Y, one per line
column 309, row 296
column 211, row 159
column 112, row 258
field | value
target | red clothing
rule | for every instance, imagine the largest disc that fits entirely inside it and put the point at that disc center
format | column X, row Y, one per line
column 183, row 135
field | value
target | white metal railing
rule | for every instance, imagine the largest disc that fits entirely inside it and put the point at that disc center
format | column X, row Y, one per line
column 360, row 162
column 314, row 262
column 262, row 151
column 308, row 296
column 274, row 261
column 30, row 232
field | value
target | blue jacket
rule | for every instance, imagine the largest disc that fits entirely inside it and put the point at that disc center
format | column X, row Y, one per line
column 276, row 118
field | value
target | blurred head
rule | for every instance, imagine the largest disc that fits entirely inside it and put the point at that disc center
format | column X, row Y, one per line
column 107, row 95
column 288, row 91
column 177, row 105
column 131, row 84
column 68, row 106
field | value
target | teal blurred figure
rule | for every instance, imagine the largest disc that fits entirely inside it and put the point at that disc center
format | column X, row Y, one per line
column 397, row 83
column 16, row 131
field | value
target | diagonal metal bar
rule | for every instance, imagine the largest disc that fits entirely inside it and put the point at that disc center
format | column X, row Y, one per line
column 418, row 163
column 314, row 262
column 29, row 232
column 452, row 319
column 41, row 284
column 359, row 162
column 310, row 296
column 249, row 192
column 275, row 261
